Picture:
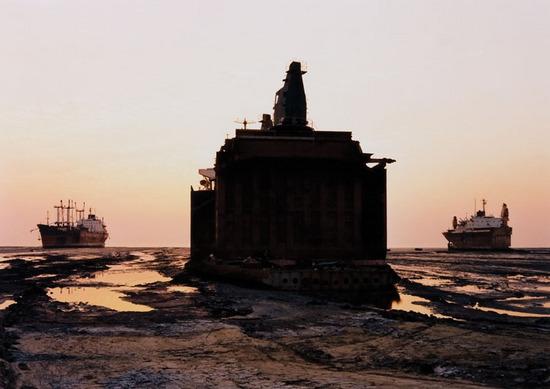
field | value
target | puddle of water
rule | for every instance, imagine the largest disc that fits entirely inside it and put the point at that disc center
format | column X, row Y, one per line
column 25, row 258
column 508, row 312
column 102, row 297
column 410, row 303
column 6, row 303
column 513, row 300
column 41, row 276
column 124, row 275
column 142, row 256
column 85, row 256
column 543, row 288
column 431, row 281
column 470, row 289
column 182, row 289
column 114, row 282
column 528, row 301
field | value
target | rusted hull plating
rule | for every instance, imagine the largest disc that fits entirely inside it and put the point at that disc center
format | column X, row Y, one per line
column 60, row 237
column 366, row 278
column 489, row 239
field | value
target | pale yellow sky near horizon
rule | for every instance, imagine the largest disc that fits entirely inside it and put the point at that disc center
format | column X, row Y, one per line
column 118, row 103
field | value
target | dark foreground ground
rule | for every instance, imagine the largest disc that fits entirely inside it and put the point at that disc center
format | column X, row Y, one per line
column 115, row 318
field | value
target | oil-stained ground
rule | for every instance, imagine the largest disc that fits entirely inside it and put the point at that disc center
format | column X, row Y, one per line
column 115, row 318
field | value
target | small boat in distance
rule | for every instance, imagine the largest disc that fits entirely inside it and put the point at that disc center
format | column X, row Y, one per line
column 480, row 232
column 71, row 229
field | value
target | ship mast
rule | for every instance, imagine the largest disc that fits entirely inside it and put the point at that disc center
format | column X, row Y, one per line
column 69, row 214
column 59, row 209
column 80, row 212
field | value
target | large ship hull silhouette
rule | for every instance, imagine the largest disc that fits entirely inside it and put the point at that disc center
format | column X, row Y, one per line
column 71, row 229
column 480, row 232
column 290, row 207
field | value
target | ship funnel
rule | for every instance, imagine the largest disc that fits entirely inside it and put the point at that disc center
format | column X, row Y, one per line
column 505, row 213
column 290, row 101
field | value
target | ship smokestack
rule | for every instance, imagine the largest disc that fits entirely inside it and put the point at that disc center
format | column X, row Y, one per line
column 505, row 213
column 290, row 101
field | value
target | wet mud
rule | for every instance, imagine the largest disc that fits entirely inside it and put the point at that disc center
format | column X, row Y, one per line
column 124, row 317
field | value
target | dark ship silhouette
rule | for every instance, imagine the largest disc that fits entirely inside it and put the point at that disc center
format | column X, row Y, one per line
column 481, row 232
column 290, row 207
column 71, row 229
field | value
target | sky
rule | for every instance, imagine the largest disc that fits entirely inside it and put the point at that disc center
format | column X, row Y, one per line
column 119, row 103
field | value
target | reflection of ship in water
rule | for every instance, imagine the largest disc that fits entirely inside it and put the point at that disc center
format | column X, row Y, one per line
column 480, row 232
column 72, row 229
column 293, row 208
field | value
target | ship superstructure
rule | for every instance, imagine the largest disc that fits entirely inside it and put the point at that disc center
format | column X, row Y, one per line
column 481, row 231
column 309, row 203
column 72, row 229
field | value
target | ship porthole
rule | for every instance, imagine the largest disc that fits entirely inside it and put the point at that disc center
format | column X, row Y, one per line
column 285, row 281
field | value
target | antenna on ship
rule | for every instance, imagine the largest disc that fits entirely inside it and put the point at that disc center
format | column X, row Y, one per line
column 244, row 122
column 48, row 217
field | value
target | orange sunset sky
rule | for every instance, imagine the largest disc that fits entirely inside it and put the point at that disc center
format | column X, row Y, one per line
column 119, row 103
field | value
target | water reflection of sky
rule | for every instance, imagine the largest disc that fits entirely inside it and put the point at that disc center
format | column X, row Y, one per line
column 112, row 298
column 182, row 289
column 107, row 288
column 410, row 303
column 508, row 312
column 515, row 282
column 124, row 275
column 6, row 303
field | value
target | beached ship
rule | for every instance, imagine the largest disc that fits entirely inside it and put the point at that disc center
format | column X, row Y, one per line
column 480, row 231
column 290, row 207
column 72, row 229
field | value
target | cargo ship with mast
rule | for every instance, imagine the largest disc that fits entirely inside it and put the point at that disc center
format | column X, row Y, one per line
column 480, row 231
column 72, row 229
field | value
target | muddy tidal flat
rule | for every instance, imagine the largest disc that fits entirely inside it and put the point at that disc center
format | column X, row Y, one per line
column 128, row 318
